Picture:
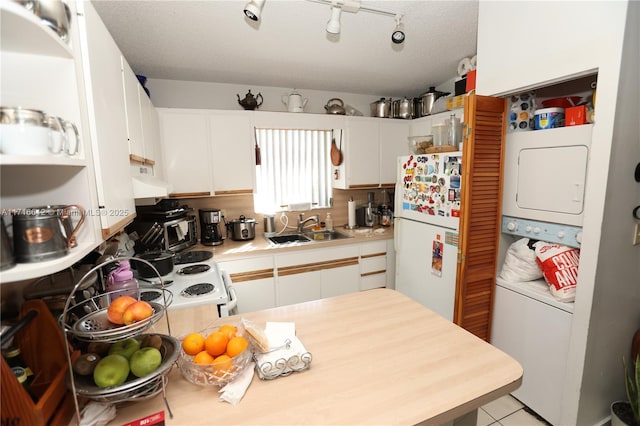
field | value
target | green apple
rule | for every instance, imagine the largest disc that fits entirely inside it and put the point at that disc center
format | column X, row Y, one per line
column 145, row 361
column 126, row 348
column 112, row 370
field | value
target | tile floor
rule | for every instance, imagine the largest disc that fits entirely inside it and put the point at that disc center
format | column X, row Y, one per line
column 508, row 411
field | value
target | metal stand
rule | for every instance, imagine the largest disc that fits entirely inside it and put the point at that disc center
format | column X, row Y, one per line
column 95, row 326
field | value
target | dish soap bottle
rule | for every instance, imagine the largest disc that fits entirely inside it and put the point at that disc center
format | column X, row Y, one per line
column 328, row 222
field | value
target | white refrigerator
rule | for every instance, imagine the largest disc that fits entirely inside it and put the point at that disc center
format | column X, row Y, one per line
column 427, row 212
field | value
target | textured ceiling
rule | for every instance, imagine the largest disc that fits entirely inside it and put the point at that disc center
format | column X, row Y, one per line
column 213, row 41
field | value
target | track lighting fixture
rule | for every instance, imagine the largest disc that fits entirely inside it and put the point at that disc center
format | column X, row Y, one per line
column 253, row 9
column 333, row 26
column 397, row 36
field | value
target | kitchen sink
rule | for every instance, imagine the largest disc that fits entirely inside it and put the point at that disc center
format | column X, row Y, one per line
column 307, row 237
column 325, row 235
column 288, row 238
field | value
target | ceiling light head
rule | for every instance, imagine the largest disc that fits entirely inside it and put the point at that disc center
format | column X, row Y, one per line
column 253, row 9
column 397, row 36
column 333, row 26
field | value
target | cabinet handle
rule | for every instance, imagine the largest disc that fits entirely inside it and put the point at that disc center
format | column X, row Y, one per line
column 366, row 256
column 366, row 274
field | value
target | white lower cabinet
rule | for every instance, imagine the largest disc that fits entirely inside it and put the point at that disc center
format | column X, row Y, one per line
column 314, row 274
column 254, row 282
column 373, row 265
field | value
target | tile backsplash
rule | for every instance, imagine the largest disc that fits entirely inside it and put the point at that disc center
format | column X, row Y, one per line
column 233, row 206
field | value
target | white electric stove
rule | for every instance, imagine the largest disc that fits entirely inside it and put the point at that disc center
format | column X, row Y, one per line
column 195, row 281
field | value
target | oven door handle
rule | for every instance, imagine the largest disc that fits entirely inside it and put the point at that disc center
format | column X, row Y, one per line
column 231, row 291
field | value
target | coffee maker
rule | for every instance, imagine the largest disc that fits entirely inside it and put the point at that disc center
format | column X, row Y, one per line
column 210, row 227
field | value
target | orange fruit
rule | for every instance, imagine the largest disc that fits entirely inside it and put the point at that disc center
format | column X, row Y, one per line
column 223, row 363
column 203, row 358
column 193, row 343
column 229, row 330
column 236, row 346
column 216, row 343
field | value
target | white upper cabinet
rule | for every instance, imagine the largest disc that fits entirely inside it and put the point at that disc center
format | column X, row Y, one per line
column 132, row 108
column 233, row 154
column 151, row 133
column 102, row 67
column 370, row 147
column 185, row 140
column 505, row 60
column 393, row 144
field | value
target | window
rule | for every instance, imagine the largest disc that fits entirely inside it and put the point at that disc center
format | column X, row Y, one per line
column 295, row 167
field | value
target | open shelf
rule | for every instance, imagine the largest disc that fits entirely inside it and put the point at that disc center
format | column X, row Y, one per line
column 26, row 160
column 24, row 32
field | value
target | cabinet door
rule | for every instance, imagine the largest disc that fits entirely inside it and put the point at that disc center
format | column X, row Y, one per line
column 482, row 172
column 299, row 287
column 151, row 133
column 363, row 156
column 132, row 110
column 342, row 280
column 393, row 143
column 254, row 282
column 107, row 123
column 184, row 138
column 232, row 149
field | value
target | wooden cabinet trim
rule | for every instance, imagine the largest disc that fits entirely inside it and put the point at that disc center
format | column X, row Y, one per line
column 189, row 194
column 252, row 275
column 136, row 158
column 366, row 256
column 317, row 266
column 364, row 186
column 366, row 274
column 235, row 192
column 111, row 231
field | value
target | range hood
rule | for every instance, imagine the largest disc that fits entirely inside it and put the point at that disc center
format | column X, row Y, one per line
column 149, row 187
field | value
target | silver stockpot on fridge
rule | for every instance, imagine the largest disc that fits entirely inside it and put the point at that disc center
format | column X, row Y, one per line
column 403, row 108
column 381, row 108
column 44, row 233
column 427, row 99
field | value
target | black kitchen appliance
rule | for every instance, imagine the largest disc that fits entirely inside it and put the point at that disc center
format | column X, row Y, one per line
column 210, row 234
column 164, row 226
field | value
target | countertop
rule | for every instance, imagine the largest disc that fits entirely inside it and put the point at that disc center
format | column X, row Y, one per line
column 378, row 358
column 230, row 249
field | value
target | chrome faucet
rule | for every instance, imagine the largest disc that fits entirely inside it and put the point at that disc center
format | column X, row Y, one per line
column 302, row 220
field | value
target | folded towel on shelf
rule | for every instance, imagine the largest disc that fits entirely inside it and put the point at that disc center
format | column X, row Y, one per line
column 233, row 391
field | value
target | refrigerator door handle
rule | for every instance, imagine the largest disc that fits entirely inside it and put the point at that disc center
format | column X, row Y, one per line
column 396, row 234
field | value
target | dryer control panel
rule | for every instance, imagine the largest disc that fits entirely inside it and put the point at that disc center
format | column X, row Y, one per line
column 567, row 235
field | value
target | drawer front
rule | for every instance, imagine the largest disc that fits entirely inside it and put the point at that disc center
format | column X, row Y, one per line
column 372, row 281
column 374, row 247
column 373, row 264
column 307, row 257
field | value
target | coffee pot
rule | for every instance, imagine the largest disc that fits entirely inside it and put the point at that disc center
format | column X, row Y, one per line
column 210, row 227
column 294, row 102
column 250, row 102
column 44, row 233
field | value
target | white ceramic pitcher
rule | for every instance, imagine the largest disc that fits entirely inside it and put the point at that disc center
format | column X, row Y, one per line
column 294, row 102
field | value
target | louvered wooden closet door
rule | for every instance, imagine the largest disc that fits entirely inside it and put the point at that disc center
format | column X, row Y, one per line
column 481, row 200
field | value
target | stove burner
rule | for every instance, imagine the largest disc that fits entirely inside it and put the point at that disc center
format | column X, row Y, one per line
column 150, row 295
column 192, row 257
column 198, row 290
column 194, row 269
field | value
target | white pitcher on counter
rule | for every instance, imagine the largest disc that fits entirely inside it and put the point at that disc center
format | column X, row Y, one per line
column 294, row 101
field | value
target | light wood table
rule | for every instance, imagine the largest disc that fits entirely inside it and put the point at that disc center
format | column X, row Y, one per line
column 378, row 358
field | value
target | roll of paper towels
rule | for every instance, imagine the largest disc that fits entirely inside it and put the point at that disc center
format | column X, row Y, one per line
column 464, row 66
column 351, row 208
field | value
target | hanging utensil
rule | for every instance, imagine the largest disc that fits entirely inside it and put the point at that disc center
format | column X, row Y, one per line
column 258, row 159
column 340, row 149
column 335, row 153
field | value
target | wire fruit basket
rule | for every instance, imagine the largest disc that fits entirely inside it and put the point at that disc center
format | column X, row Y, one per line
column 217, row 373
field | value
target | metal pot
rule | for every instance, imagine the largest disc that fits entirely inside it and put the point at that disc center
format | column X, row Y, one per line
column 7, row 250
column 242, row 229
column 381, row 108
column 402, row 108
column 39, row 233
column 54, row 13
column 427, row 100
column 161, row 260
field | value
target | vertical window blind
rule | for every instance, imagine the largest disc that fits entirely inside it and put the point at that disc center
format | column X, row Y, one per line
column 295, row 167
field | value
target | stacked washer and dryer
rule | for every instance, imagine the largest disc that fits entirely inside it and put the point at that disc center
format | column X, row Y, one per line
column 543, row 199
